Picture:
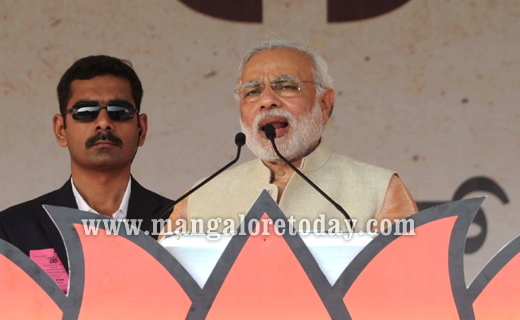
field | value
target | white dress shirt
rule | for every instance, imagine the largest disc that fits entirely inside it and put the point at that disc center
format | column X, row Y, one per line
column 119, row 214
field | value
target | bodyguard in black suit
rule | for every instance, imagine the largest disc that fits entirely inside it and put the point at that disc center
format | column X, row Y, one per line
column 29, row 227
column 101, row 125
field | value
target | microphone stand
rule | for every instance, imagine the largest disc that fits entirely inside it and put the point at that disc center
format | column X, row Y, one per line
column 240, row 140
column 270, row 133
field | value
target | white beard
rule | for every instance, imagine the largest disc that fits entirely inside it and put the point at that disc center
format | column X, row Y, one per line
column 303, row 136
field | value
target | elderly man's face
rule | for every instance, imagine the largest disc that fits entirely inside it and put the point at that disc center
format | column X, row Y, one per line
column 298, row 119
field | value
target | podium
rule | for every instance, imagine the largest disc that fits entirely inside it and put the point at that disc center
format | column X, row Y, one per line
column 417, row 274
column 199, row 253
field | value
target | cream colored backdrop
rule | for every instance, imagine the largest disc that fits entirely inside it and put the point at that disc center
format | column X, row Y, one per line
column 431, row 89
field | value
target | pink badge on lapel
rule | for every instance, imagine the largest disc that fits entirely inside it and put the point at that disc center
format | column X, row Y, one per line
column 48, row 260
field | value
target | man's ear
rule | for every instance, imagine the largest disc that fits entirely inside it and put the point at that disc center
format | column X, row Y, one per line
column 327, row 103
column 143, row 128
column 58, row 125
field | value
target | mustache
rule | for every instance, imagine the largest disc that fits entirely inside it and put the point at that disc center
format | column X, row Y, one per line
column 104, row 136
column 273, row 113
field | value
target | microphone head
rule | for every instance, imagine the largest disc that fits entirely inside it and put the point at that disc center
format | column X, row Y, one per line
column 270, row 131
column 240, row 139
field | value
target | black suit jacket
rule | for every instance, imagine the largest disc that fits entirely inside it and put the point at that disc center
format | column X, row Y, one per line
column 29, row 227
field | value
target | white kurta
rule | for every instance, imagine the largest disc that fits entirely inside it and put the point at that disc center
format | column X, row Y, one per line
column 358, row 187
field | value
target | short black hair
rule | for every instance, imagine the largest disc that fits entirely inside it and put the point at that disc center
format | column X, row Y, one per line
column 93, row 66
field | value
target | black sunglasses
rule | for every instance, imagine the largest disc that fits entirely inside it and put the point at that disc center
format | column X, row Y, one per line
column 89, row 110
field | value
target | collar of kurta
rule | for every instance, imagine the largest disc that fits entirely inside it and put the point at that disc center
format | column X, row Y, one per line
column 314, row 161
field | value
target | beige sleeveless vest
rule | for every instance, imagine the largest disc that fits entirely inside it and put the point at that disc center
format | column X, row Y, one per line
column 358, row 187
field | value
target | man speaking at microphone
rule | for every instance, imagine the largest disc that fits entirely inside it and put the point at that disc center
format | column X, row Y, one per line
column 101, row 125
column 284, row 84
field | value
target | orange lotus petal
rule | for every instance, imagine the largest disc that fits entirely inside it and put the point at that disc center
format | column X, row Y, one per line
column 408, row 279
column 499, row 299
column 123, row 281
column 21, row 297
column 268, row 268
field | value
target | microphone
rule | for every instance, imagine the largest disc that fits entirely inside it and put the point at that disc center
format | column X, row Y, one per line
column 240, row 140
column 270, row 133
